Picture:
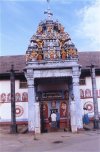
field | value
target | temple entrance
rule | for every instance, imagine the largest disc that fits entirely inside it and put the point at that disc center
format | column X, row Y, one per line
column 53, row 96
column 52, row 69
column 60, row 107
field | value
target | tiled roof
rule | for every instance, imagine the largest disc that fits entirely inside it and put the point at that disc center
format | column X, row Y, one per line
column 6, row 61
column 85, row 59
column 88, row 58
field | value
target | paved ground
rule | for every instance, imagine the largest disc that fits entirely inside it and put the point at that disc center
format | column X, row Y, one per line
column 86, row 141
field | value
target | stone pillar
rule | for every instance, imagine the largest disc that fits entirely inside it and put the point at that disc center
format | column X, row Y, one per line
column 96, row 113
column 73, row 122
column 37, row 118
column 76, row 94
column 73, row 119
column 31, row 104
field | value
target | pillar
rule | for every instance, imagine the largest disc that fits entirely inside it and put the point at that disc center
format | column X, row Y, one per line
column 31, row 105
column 96, row 113
column 76, row 94
column 37, row 118
column 73, row 119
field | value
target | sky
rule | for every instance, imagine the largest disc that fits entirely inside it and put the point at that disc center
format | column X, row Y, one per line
column 19, row 20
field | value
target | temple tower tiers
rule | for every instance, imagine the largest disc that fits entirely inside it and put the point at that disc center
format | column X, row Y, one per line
column 51, row 54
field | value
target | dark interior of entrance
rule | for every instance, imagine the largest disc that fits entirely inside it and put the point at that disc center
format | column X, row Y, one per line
column 53, row 96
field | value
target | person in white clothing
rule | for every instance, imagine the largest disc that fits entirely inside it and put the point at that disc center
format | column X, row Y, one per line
column 53, row 120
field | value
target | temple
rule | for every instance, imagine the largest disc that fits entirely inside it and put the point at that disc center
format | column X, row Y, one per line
column 53, row 76
column 52, row 72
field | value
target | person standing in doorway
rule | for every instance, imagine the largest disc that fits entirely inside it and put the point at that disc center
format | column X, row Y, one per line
column 53, row 120
column 58, row 119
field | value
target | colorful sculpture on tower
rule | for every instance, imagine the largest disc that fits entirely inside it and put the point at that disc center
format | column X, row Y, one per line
column 50, row 42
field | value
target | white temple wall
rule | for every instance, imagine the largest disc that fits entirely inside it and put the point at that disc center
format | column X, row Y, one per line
column 22, row 106
column 86, row 98
column 5, row 86
column 5, row 102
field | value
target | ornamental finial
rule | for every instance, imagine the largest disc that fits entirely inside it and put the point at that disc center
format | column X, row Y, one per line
column 48, row 12
column 48, row 1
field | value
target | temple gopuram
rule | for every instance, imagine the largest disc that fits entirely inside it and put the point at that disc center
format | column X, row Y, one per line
column 51, row 43
column 52, row 72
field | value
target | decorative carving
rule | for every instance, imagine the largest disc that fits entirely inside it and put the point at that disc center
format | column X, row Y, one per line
column 63, row 109
column 57, row 54
column 61, row 43
column 53, row 104
column 33, row 54
column 39, row 30
column 63, row 54
column 87, row 93
column 19, row 110
column 28, row 57
column 72, row 53
column 17, row 97
column 50, row 29
column 89, row 106
column 61, row 29
column 24, row 96
column 9, row 97
column 3, row 97
column 50, row 36
column 46, row 55
column 40, row 43
column 45, row 110
column 81, row 93
column 52, row 54
column 40, row 57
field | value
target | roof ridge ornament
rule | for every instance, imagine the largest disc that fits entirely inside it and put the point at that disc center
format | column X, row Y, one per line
column 48, row 12
column 48, row 1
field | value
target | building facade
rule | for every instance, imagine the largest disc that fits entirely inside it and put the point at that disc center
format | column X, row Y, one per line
column 21, row 91
column 52, row 76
